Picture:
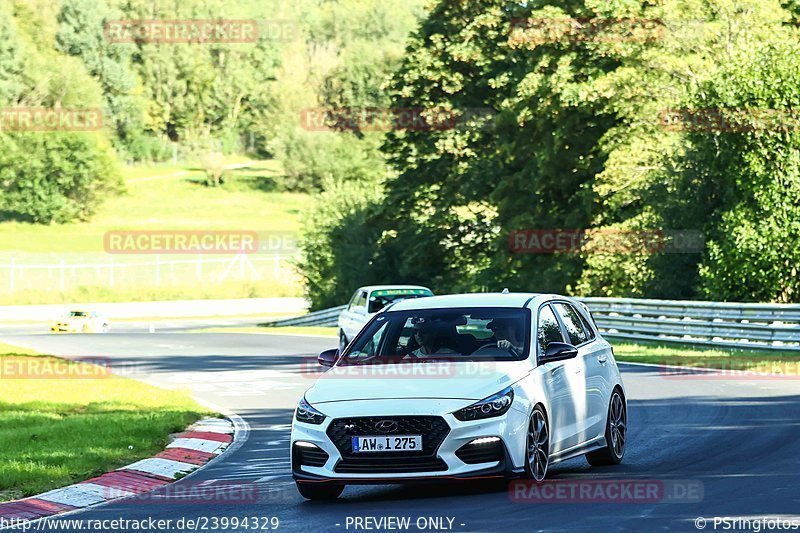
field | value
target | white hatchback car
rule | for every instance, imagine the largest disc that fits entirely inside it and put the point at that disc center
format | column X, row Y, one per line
column 460, row 387
column 367, row 301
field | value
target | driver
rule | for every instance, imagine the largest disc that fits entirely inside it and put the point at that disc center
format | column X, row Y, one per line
column 427, row 336
column 506, row 334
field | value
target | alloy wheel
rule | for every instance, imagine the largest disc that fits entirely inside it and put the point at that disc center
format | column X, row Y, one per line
column 538, row 446
column 618, row 424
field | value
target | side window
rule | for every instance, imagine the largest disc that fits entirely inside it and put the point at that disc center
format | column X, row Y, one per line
column 359, row 300
column 587, row 325
column 404, row 340
column 573, row 323
column 549, row 330
column 372, row 345
column 352, row 305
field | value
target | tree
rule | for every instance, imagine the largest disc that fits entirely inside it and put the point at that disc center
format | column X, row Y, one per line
column 81, row 33
column 55, row 177
column 745, row 174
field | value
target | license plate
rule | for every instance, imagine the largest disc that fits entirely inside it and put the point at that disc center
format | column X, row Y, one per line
column 388, row 443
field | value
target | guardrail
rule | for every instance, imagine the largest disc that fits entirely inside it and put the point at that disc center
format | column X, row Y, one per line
column 327, row 317
column 736, row 325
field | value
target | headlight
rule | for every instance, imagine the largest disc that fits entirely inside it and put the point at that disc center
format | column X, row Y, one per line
column 495, row 405
column 306, row 413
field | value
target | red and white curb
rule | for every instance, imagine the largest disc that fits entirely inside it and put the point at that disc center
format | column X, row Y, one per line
column 188, row 451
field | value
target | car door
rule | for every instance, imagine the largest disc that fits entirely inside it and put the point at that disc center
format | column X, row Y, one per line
column 594, row 362
column 558, row 380
column 602, row 369
column 345, row 317
column 356, row 316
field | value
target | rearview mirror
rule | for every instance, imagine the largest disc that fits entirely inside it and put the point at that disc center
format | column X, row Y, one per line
column 558, row 351
column 328, row 357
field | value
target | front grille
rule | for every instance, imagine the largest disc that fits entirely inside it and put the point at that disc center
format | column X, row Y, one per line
column 481, row 453
column 306, row 456
column 433, row 430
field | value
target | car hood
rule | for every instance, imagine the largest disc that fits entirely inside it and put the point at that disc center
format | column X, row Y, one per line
column 442, row 380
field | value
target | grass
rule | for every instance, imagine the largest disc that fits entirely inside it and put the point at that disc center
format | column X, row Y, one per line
column 58, row 431
column 700, row 357
column 248, row 201
column 182, row 290
column 158, row 197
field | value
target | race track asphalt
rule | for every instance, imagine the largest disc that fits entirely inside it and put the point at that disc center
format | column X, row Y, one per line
column 719, row 447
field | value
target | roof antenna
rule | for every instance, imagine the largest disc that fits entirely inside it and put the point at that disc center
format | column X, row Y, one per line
column 505, row 291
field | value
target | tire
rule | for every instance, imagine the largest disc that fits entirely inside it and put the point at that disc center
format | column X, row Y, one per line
column 319, row 491
column 342, row 342
column 616, row 433
column 537, row 446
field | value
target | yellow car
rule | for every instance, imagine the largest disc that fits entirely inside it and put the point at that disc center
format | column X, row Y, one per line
column 81, row 321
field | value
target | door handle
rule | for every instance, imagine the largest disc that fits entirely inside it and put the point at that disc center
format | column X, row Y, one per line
column 602, row 359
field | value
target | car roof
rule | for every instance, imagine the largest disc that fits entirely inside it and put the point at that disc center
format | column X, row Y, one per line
column 371, row 288
column 484, row 299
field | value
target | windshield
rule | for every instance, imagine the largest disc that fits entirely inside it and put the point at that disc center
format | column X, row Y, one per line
column 78, row 313
column 381, row 298
column 461, row 334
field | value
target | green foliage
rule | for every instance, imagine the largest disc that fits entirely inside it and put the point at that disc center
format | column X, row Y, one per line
column 576, row 141
column 48, row 176
column 312, row 158
column 55, row 177
column 11, row 65
column 333, row 253
column 348, row 52
column 749, row 176
column 81, row 34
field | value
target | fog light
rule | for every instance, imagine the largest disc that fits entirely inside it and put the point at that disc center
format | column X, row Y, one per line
column 307, row 454
column 482, row 450
column 485, row 440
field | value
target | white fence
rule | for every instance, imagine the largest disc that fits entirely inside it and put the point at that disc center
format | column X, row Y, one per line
column 145, row 271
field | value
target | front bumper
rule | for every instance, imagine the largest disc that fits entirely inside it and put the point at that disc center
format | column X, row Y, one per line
column 511, row 429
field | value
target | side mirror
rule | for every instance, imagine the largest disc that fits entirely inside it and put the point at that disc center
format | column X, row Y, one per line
column 328, row 357
column 558, row 351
